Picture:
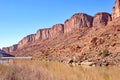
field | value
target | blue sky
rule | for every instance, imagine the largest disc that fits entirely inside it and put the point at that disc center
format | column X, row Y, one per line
column 19, row 18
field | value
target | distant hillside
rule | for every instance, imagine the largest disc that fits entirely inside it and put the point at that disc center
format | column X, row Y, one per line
column 4, row 54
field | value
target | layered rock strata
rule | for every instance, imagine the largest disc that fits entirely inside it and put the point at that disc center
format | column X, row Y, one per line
column 53, row 32
column 76, row 22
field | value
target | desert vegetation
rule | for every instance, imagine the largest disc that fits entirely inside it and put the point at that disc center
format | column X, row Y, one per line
column 43, row 70
column 105, row 53
column 23, row 70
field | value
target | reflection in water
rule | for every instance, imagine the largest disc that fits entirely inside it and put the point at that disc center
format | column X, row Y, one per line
column 60, row 71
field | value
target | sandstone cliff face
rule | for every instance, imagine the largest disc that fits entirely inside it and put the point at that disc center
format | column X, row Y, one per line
column 25, row 40
column 77, row 21
column 101, row 19
column 116, row 10
column 53, row 32
column 42, row 34
column 11, row 48
column 56, row 30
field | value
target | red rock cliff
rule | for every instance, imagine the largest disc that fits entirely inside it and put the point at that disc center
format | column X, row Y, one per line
column 53, row 32
column 76, row 21
column 101, row 19
column 25, row 40
column 10, row 49
column 116, row 10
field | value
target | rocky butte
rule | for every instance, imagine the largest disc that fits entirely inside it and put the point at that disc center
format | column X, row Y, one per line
column 81, row 38
column 77, row 21
column 101, row 19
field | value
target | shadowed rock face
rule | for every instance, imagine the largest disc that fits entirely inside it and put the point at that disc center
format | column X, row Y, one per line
column 4, row 54
column 77, row 21
column 13, row 48
column 6, row 49
column 101, row 19
column 116, row 10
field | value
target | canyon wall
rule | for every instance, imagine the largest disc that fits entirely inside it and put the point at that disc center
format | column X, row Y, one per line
column 53, row 32
column 77, row 21
column 27, row 39
column 11, row 48
column 101, row 19
column 116, row 10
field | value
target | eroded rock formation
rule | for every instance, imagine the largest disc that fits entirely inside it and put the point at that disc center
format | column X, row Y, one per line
column 11, row 48
column 25, row 40
column 56, row 30
column 53, row 32
column 77, row 21
column 101, row 19
column 116, row 10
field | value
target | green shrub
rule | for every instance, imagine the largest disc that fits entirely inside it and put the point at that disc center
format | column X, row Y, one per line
column 105, row 53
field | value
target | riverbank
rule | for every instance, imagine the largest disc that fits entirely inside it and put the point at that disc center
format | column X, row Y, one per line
column 76, row 60
column 44, row 70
